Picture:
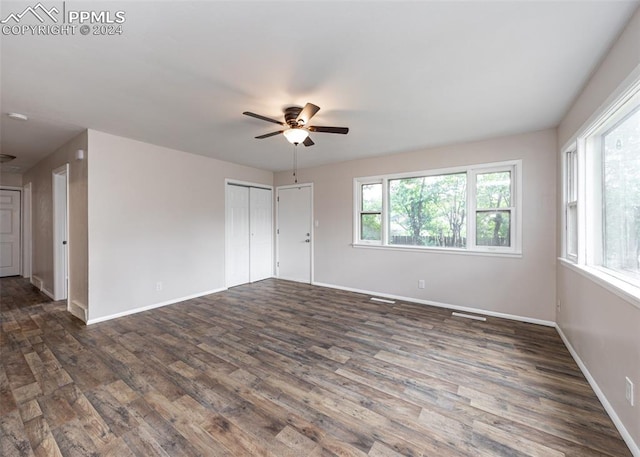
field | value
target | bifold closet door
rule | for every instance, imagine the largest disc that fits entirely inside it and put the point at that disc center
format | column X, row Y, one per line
column 261, row 238
column 249, row 213
column 237, row 214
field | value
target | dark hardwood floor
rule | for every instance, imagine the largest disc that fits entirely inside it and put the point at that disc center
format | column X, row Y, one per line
column 284, row 369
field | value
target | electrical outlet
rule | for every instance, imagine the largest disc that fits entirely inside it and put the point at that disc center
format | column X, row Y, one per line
column 421, row 284
column 159, row 286
column 628, row 390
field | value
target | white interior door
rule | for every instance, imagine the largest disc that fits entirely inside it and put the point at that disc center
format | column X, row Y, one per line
column 60, row 233
column 261, row 239
column 294, row 233
column 9, row 232
column 237, row 235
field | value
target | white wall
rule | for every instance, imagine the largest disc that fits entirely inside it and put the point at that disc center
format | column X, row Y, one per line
column 523, row 287
column 42, row 217
column 155, row 215
column 603, row 328
column 10, row 179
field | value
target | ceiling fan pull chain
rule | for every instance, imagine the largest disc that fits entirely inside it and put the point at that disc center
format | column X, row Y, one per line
column 295, row 164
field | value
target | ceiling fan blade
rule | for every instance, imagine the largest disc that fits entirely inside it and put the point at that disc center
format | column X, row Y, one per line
column 267, row 135
column 343, row 130
column 307, row 113
column 308, row 141
column 257, row 116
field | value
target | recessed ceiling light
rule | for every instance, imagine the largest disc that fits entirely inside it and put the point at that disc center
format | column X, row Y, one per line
column 17, row 116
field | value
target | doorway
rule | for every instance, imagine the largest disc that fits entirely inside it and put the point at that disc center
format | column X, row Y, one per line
column 294, row 233
column 60, row 178
column 10, row 237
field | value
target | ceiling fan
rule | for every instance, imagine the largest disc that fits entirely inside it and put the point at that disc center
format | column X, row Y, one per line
column 297, row 120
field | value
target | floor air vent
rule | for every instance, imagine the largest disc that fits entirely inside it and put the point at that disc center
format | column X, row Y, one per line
column 382, row 300
column 469, row 316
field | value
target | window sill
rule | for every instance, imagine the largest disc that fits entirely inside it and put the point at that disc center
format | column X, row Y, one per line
column 487, row 253
column 622, row 289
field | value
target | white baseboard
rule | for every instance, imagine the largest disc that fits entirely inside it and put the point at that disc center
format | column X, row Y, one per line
column 513, row 317
column 153, row 306
column 78, row 309
column 36, row 282
column 48, row 293
column 626, row 436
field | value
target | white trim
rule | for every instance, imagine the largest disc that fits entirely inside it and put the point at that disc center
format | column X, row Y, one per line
column 61, row 255
column 622, row 289
column 27, row 229
column 238, row 182
column 439, row 250
column 512, row 317
column 626, row 436
column 79, row 310
column 153, row 306
column 36, row 281
column 48, row 293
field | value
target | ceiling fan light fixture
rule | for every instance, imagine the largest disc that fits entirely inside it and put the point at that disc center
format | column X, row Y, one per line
column 18, row 116
column 295, row 135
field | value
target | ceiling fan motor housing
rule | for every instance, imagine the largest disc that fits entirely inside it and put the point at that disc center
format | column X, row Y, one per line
column 291, row 114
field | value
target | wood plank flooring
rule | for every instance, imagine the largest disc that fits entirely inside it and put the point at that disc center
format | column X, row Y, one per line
column 284, row 369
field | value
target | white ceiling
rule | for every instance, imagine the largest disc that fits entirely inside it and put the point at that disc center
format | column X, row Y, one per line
column 401, row 75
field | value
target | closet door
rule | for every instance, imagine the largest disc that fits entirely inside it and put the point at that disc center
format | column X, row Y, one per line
column 261, row 238
column 237, row 236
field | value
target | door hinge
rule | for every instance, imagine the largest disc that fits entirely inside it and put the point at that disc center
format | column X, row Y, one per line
column 277, row 199
column 277, row 231
column 278, row 264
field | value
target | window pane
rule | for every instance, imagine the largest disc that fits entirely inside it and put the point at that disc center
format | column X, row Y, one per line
column 428, row 211
column 370, row 227
column 493, row 228
column 372, row 197
column 493, row 190
column 621, row 196
column 572, row 229
column 571, row 176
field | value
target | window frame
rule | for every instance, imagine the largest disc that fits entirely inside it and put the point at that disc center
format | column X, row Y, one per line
column 359, row 211
column 513, row 166
column 590, row 209
column 594, row 181
column 473, row 208
column 570, row 198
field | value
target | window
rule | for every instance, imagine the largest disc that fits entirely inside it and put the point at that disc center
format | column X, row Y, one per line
column 620, row 150
column 493, row 208
column 371, row 212
column 429, row 210
column 602, row 195
column 571, row 207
